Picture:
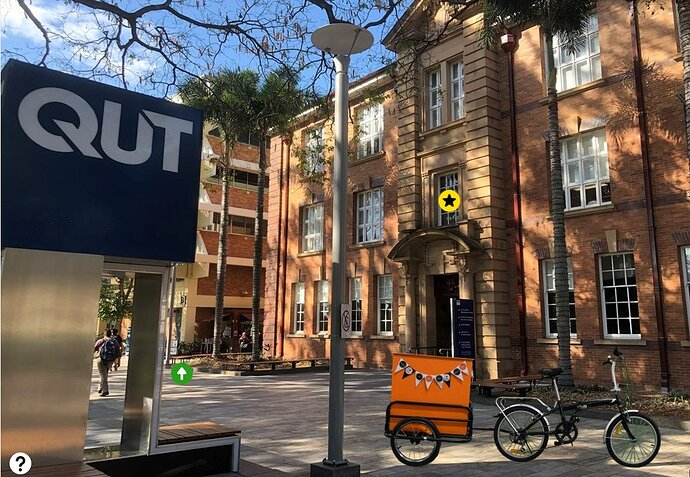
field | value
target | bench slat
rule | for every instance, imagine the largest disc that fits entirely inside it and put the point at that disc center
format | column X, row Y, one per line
column 178, row 433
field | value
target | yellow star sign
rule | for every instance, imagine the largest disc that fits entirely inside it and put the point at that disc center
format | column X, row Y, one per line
column 449, row 200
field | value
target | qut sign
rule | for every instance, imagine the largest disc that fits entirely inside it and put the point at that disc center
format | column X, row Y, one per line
column 91, row 168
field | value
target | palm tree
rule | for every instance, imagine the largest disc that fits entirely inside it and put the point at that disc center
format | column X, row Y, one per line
column 269, row 107
column 684, row 30
column 216, row 96
column 568, row 20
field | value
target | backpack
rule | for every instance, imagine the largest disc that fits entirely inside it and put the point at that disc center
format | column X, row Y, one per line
column 109, row 350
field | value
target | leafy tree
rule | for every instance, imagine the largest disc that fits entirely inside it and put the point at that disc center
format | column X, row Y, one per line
column 568, row 19
column 216, row 96
column 116, row 300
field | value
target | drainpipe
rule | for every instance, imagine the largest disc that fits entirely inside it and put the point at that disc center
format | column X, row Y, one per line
column 508, row 44
column 280, row 235
column 649, row 198
column 285, row 147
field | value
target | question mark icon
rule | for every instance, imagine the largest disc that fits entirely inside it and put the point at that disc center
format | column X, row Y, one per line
column 20, row 463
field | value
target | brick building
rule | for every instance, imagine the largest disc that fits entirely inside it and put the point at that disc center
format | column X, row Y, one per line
column 627, row 214
column 196, row 284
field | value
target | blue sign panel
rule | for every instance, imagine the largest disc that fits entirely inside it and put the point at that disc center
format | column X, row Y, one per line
column 462, row 321
column 91, row 168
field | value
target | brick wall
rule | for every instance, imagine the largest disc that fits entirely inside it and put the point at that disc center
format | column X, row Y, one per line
column 238, row 281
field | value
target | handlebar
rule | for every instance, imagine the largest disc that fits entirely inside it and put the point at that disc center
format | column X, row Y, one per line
column 609, row 360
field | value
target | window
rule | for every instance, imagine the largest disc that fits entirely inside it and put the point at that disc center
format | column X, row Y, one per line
column 446, row 182
column 549, row 278
column 241, row 225
column 245, row 180
column 370, row 130
column 585, row 163
column 315, row 158
column 385, row 304
column 685, row 259
column 435, row 99
column 322, row 310
column 356, row 304
column 582, row 66
column 369, row 215
column 298, row 318
column 312, row 228
column 457, row 89
column 619, row 296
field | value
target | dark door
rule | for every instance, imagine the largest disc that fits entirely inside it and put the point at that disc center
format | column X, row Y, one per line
column 445, row 288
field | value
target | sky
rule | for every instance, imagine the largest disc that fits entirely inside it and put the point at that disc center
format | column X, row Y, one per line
column 21, row 39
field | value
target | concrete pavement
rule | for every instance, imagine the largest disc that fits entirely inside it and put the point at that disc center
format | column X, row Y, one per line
column 284, row 429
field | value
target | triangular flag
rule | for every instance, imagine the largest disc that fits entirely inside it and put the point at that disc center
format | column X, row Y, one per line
column 458, row 373
column 408, row 372
column 418, row 378
column 446, row 379
column 427, row 380
column 439, row 380
column 401, row 365
column 463, row 368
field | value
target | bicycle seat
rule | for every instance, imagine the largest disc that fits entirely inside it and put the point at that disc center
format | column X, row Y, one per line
column 550, row 372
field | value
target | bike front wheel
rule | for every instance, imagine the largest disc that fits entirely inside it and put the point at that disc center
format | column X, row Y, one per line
column 521, row 433
column 637, row 448
column 414, row 441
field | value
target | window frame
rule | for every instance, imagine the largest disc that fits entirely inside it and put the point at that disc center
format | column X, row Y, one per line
column 434, row 90
column 356, row 309
column 317, row 226
column 592, row 30
column 685, row 280
column 297, row 323
column 314, row 147
column 545, row 298
column 370, row 130
column 604, row 302
column 322, row 311
column 440, row 214
column 600, row 182
column 380, row 301
column 460, row 98
column 362, row 209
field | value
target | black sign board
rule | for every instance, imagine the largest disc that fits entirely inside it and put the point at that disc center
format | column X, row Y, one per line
column 462, row 322
column 91, row 168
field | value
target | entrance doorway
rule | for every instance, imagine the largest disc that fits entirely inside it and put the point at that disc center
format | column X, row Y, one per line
column 445, row 288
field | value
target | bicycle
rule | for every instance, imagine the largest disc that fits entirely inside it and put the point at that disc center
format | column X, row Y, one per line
column 522, row 430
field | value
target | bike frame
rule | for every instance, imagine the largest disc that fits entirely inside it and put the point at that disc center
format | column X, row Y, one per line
column 561, row 409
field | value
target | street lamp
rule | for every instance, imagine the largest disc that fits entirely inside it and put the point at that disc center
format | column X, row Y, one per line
column 340, row 40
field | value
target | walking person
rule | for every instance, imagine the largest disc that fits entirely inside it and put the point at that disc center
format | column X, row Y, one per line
column 121, row 348
column 108, row 350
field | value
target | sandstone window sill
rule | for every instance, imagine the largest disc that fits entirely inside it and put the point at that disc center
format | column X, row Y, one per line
column 362, row 160
column 554, row 341
column 443, row 128
column 589, row 210
column 577, row 90
column 378, row 243
column 685, row 344
column 320, row 336
column 296, row 335
column 382, row 337
column 621, row 342
column 311, row 254
column 355, row 337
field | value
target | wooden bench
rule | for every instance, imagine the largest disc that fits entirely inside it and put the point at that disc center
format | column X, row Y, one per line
column 199, row 435
column 521, row 384
column 77, row 469
column 251, row 366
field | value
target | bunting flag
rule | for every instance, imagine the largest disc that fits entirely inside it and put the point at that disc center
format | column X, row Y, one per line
column 459, row 372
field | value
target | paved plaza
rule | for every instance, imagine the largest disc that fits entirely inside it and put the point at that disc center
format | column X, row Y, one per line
column 284, row 417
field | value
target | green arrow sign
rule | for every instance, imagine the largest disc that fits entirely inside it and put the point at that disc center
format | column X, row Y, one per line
column 181, row 373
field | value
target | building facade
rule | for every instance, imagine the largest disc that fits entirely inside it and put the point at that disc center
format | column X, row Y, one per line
column 196, row 283
column 474, row 120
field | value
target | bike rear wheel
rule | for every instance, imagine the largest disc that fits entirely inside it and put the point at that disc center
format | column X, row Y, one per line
column 639, row 450
column 516, row 443
column 414, row 441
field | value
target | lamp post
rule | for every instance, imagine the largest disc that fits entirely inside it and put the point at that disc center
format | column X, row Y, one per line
column 340, row 40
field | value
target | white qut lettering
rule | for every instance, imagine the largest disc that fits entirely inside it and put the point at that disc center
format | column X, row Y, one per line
column 174, row 127
column 81, row 136
column 110, row 137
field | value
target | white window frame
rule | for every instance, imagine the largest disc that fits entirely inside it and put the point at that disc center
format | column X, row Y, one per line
column 685, row 271
column 312, row 228
column 322, row 307
column 314, row 150
column 586, row 59
column 576, row 159
column 457, row 90
column 384, row 305
column 356, row 305
column 369, row 220
column 603, row 288
column 444, row 218
column 435, row 92
column 370, row 121
column 549, row 286
column 298, row 308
